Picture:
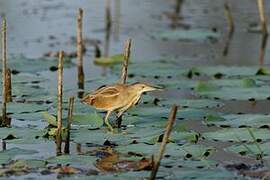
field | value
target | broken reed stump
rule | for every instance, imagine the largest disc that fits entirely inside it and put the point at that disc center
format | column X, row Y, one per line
column 227, row 43
column 70, row 114
column 4, row 145
column 263, row 20
column 5, row 120
column 229, row 17
column 230, row 23
column 9, row 87
column 178, row 6
column 108, row 24
column 107, row 43
column 59, row 104
column 124, row 70
column 164, row 142
column 80, row 47
column 116, row 19
column 79, row 148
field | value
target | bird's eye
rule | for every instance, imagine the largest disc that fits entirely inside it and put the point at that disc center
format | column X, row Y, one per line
column 142, row 87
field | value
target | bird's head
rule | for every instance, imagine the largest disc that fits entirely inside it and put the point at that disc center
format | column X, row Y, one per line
column 142, row 87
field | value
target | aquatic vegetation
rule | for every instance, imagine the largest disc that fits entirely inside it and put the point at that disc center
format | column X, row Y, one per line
column 207, row 133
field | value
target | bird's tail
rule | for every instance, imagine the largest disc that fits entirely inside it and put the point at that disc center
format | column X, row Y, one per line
column 87, row 100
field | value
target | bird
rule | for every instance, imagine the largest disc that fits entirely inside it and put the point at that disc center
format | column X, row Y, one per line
column 117, row 98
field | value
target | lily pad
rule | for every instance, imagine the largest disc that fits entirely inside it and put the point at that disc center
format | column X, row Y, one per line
column 10, row 154
column 186, row 35
column 205, row 86
column 50, row 118
column 23, row 64
column 251, row 149
column 74, row 160
column 218, row 173
column 20, row 108
column 91, row 121
column 155, row 69
column 230, row 70
column 226, row 93
column 192, row 103
column 109, row 61
column 241, row 120
column 98, row 137
column 186, row 151
column 237, row 134
column 20, row 135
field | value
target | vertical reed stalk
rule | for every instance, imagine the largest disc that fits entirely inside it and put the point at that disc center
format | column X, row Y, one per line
column 9, row 86
column 59, row 104
column 117, row 15
column 107, row 44
column 178, row 6
column 4, row 72
column 124, row 70
column 108, row 23
column 164, row 142
column 263, row 20
column 229, row 17
column 70, row 114
column 80, row 49
column 108, row 18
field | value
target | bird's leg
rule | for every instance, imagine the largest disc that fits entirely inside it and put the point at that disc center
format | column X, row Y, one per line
column 107, row 120
column 119, row 119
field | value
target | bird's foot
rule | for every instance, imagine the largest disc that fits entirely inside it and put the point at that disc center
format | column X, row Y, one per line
column 112, row 131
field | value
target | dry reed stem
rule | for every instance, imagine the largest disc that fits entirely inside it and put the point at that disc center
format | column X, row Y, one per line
column 9, row 86
column 59, row 104
column 164, row 142
column 70, row 114
column 123, row 77
column 80, row 49
column 4, row 72
column 108, row 18
column 229, row 17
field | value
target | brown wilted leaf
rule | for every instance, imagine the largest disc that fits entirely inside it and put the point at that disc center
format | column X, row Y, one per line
column 66, row 170
column 265, row 174
column 114, row 164
column 100, row 152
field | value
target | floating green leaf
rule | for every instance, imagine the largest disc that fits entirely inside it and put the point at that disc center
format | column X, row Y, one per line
column 192, row 103
column 251, row 149
column 230, row 70
column 91, row 121
column 258, row 93
column 188, row 35
column 240, row 120
column 10, row 154
column 108, row 61
column 237, row 134
column 50, row 118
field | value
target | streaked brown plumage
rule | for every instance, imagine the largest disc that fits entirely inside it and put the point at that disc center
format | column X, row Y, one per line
column 118, row 98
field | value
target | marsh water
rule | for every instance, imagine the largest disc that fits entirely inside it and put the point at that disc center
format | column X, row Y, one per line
column 36, row 28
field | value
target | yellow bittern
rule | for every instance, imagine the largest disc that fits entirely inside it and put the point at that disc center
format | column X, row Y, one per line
column 117, row 98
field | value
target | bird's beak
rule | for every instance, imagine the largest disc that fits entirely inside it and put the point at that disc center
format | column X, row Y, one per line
column 154, row 88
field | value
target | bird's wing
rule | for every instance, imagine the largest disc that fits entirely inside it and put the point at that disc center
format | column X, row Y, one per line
column 104, row 97
column 107, row 92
